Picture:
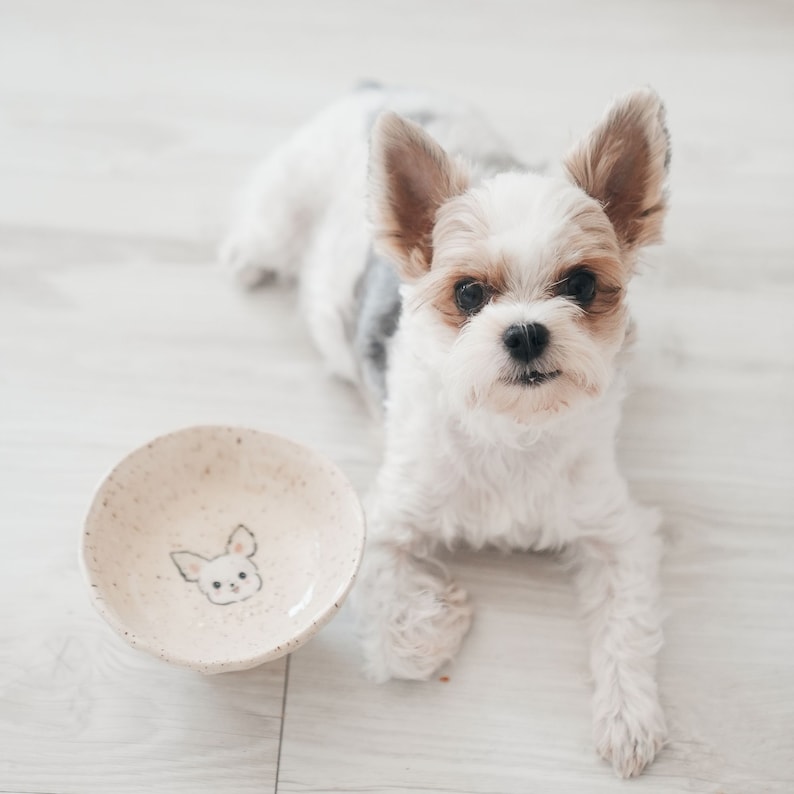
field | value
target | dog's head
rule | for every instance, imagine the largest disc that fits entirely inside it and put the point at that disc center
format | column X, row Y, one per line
column 516, row 287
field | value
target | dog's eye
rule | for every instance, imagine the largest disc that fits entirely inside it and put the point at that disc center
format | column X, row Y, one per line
column 216, row 585
column 242, row 574
column 581, row 286
column 470, row 296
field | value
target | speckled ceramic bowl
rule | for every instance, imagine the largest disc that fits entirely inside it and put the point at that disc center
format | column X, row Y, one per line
column 220, row 548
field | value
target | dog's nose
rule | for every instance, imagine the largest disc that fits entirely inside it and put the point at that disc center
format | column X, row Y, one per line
column 526, row 341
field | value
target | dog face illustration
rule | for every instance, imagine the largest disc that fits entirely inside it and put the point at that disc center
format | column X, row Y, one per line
column 226, row 579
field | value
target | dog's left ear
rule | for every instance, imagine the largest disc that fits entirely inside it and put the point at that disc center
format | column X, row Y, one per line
column 410, row 178
column 623, row 163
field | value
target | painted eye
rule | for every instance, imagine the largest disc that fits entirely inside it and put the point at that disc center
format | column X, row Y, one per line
column 470, row 296
column 216, row 585
column 242, row 574
column 581, row 286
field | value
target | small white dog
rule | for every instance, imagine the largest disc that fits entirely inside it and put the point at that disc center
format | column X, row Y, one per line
column 490, row 322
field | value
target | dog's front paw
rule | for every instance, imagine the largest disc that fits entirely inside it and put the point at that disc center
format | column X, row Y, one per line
column 630, row 737
column 420, row 633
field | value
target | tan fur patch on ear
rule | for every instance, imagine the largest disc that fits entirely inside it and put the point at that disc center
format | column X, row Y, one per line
column 623, row 164
column 411, row 177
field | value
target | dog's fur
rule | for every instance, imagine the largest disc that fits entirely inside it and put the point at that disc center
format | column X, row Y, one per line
column 491, row 438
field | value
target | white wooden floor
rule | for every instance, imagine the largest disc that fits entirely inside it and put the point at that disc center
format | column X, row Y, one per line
column 124, row 129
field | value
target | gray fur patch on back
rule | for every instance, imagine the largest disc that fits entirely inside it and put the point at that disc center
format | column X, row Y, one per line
column 422, row 117
column 378, row 306
column 495, row 163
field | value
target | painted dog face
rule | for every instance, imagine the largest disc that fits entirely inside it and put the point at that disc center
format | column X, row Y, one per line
column 226, row 579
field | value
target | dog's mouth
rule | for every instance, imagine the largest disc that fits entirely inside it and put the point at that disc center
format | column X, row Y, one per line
column 535, row 378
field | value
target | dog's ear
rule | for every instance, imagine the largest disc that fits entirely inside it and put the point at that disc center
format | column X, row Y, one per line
column 623, row 163
column 410, row 177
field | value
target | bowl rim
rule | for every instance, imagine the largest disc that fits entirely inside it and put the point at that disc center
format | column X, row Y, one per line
column 140, row 643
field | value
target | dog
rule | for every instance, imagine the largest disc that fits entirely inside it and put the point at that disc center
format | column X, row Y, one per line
column 482, row 309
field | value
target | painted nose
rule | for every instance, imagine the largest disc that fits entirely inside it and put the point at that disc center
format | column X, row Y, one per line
column 526, row 341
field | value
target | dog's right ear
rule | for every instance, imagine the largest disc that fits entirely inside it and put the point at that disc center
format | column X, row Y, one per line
column 410, row 177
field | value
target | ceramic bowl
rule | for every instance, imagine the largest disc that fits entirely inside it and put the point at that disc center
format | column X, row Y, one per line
column 220, row 548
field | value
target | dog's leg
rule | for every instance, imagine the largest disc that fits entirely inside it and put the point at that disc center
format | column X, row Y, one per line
column 617, row 562
column 411, row 617
column 291, row 191
column 275, row 219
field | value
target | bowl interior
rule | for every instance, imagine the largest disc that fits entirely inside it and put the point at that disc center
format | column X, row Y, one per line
column 221, row 548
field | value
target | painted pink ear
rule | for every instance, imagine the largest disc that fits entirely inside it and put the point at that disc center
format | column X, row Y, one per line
column 189, row 564
column 242, row 542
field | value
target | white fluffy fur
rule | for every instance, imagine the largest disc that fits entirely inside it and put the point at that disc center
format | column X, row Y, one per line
column 469, row 458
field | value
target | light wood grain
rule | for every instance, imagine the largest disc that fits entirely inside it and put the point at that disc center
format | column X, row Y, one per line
column 124, row 131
